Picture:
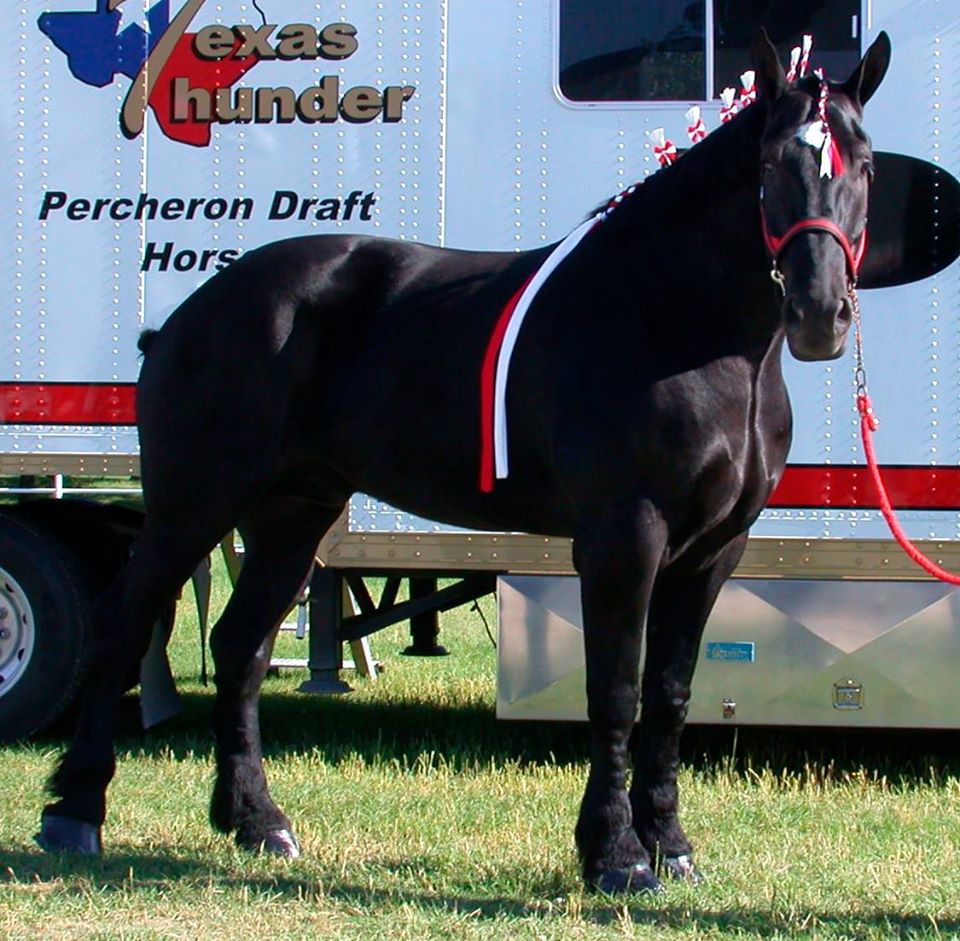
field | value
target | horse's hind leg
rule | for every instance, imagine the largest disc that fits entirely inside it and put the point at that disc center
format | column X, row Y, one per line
column 280, row 540
column 679, row 609
column 124, row 616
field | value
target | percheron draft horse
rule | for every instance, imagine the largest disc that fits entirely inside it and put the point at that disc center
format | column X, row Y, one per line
column 648, row 421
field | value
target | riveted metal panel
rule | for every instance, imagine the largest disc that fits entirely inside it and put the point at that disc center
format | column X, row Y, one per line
column 120, row 212
column 775, row 652
column 765, row 557
column 41, row 463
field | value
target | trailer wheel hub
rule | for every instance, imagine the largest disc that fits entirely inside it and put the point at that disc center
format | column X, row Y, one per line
column 16, row 632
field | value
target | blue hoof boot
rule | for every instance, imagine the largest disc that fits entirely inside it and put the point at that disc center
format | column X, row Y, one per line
column 637, row 879
column 275, row 843
column 680, row 868
column 66, row 835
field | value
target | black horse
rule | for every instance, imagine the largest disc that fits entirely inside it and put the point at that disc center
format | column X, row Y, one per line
column 648, row 420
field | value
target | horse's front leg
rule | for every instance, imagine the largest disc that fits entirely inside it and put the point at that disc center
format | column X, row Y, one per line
column 617, row 559
column 679, row 607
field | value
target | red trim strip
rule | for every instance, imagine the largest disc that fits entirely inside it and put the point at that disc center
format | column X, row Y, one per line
column 67, row 403
column 850, row 487
column 804, row 486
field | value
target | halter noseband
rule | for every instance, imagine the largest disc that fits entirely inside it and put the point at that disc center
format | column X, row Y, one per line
column 777, row 245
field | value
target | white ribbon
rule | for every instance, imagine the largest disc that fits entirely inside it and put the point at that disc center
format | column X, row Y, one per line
column 501, row 457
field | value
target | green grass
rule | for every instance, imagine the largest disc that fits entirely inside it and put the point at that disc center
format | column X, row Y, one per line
column 423, row 817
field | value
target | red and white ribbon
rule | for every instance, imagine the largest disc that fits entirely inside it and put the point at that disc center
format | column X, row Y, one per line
column 729, row 105
column 494, row 459
column 831, row 160
column 805, row 54
column 494, row 456
column 819, row 136
column 749, row 82
column 696, row 129
column 794, row 64
column 663, row 149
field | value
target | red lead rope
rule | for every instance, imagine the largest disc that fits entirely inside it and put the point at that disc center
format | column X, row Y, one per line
column 868, row 425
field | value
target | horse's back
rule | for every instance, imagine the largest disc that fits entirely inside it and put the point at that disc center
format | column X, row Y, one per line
column 357, row 352
column 324, row 282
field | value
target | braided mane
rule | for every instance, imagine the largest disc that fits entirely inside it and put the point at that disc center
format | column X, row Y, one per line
column 727, row 159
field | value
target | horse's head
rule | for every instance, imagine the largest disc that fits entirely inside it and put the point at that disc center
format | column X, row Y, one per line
column 816, row 167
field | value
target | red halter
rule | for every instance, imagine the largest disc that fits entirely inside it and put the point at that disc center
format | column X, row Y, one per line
column 777, row 245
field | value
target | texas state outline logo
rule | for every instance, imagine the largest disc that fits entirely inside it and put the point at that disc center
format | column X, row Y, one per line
column 186, row 75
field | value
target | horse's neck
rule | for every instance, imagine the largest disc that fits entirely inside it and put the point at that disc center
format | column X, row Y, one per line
column 697, row 235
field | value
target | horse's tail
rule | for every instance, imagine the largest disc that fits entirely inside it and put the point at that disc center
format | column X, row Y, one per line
column 146, row 341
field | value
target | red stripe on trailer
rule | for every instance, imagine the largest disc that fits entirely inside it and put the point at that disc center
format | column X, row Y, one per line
column 804, row 486
column 67, row 403
column 849, row 487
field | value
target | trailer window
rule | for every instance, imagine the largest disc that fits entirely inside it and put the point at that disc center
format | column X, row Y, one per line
column 657, row 50
column 834, row 25
column 623, row 50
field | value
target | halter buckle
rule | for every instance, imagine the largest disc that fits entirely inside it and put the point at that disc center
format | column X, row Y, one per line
column 776, row 275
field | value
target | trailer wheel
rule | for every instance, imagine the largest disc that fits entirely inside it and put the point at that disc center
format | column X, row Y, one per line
column 44, row 629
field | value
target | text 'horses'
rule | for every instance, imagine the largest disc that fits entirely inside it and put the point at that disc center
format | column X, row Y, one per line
column 648, row 420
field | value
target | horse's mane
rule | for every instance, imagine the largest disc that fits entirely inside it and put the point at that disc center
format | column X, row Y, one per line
column 724, row 160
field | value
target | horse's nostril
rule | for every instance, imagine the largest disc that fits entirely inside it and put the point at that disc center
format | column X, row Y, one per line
column 792, row 313
column 800, row 311
column 816, row 327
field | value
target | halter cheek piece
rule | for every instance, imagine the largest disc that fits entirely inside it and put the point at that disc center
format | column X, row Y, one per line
column 819, row 135
column 777, row 245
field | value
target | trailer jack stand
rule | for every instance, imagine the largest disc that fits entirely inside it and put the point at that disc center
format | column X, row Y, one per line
column 330, row 629
column 424, row 628
column 325, row 658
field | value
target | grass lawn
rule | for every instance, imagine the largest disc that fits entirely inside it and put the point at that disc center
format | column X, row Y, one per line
column 422, row 817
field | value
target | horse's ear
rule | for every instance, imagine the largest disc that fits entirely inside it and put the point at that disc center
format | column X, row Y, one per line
column 771, row 80
column 868, row 75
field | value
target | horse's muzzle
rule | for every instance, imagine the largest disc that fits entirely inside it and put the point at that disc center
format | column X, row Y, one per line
column 816, row 330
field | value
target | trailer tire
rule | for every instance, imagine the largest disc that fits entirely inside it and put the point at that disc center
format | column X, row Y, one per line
column 44, row 632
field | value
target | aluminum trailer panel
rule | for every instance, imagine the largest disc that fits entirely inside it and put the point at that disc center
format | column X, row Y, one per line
column 859, row 653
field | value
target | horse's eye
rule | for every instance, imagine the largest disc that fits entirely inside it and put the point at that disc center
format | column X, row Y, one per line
column 868, row 170
column 766, row 167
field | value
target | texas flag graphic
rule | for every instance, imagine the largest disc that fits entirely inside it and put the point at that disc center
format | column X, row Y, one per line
column 98, row 48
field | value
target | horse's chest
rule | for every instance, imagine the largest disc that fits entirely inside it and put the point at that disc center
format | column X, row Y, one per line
column 746, row 439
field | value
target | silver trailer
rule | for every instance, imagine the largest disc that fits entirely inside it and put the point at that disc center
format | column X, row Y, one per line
column 149, row 142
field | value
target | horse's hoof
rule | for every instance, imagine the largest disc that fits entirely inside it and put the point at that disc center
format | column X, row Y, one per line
column 680, row 868
column 275, row 843
column 66, row 835
column 635, row 879
column 282, row 843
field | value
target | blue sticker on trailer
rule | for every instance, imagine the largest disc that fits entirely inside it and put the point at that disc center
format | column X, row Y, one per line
column 735, row 651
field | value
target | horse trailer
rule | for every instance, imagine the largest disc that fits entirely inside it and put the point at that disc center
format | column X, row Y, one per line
column 141, row 158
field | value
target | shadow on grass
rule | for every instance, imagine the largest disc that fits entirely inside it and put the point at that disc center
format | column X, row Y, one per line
column 554, row 900
column 340, row 727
